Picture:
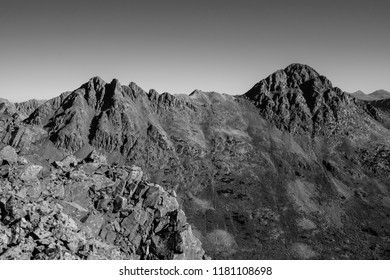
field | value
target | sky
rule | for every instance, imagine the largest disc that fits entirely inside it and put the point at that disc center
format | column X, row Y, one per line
column 49, row 47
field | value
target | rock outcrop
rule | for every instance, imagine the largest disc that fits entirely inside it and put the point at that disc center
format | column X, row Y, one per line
column 88, row 210
column 7, row 107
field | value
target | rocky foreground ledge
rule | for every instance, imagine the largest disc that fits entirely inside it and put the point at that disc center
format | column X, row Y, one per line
column 74, row 209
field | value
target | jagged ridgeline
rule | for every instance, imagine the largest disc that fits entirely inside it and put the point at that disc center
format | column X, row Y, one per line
column 293, row 168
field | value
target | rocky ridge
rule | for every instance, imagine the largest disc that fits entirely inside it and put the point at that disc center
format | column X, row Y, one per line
column 27, row 107
column 74, row 209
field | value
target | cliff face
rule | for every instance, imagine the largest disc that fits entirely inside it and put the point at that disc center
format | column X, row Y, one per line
column 294, row 168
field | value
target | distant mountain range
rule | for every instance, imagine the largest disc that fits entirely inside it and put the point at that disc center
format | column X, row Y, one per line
column 376, row 95
column 294, row 168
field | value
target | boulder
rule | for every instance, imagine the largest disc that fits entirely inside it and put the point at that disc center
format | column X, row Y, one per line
column 153, row 196
column 4, row 171
column 8, row 154
column 119, row 203
column 168, row 204
column 191, row 246
column 22, row 160
column 69, row 161
column 30, row 173
column 92, row 225
column 135, row 174
column 97, row 159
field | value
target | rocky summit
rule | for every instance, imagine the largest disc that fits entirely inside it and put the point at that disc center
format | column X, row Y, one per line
column 295, row 168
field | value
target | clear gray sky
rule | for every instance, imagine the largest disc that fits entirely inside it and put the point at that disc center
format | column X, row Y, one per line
column 48, row 47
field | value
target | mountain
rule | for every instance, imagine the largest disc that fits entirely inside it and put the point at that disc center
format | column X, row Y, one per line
column 27, row 107
column 23, row 109
column 380, row 94
column 376, row 95
column 299, row 100
column 294, row 168
column 361, row 95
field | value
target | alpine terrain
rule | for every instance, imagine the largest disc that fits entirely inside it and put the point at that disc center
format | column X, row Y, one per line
column 295, row 168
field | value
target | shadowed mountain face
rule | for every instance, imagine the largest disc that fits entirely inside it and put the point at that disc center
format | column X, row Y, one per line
column 294, row 168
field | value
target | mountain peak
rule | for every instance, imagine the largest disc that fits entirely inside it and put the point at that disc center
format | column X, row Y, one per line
column 95, row 83
column 115, row 85
column 115, row 82
column 293, row 67
column 300, row 73
column 298, row 98
column 380, row 94
column 97, row 80
column 196, row 92
column 135, row 87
